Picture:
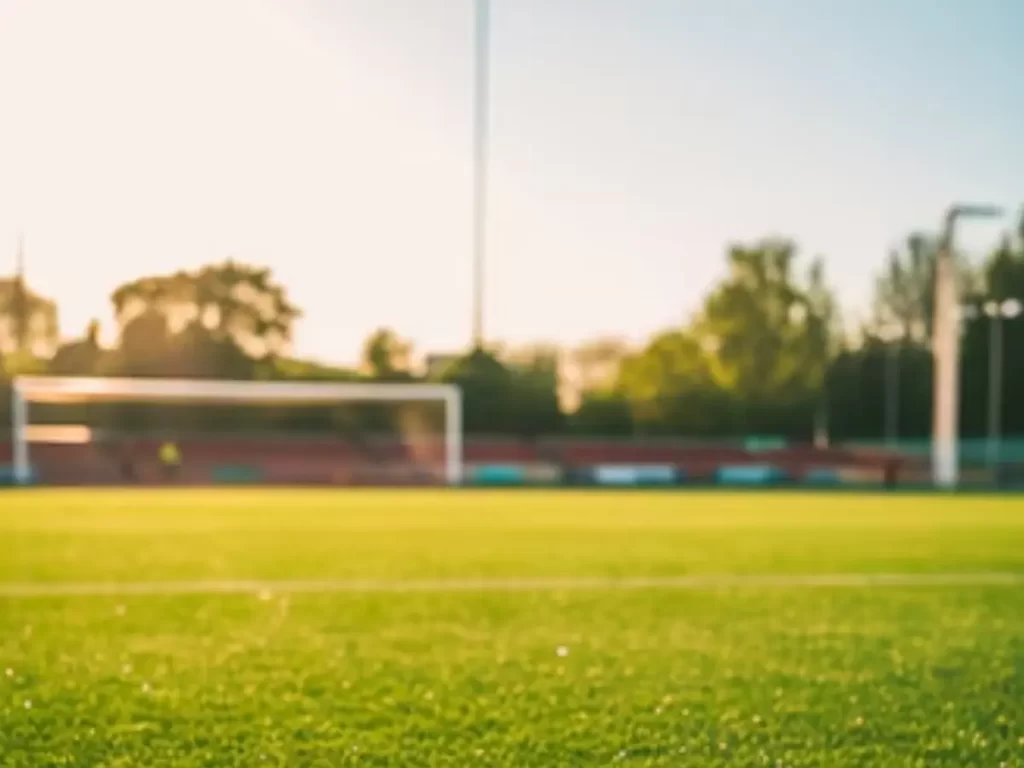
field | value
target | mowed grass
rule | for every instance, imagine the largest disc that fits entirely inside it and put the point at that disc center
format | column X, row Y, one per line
column 742, row 676
column 138, row 535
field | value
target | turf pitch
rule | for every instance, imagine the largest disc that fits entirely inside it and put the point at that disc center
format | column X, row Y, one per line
column 765, row 669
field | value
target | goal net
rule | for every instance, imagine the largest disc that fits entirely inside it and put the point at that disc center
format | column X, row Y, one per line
column 112, row 430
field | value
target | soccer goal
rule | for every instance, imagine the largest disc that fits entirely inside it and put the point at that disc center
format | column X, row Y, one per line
column 328, row 408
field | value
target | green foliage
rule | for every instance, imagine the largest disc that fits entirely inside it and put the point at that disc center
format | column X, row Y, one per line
column 484, row 381
column 294, row 369
column 905, row 291
column 764, row 354
column 753, row 360
column 26, row 319
column 386, row 356
column 661, row 381
column 231, row 302
column 604, row 414
column 595, row 364
column 23, row 363
column 82, row 356
column 1003, row 273
column 756, row 321
column 519, row 397
column 534, row 381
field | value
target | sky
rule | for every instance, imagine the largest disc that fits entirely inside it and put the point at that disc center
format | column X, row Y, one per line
column 631, row 142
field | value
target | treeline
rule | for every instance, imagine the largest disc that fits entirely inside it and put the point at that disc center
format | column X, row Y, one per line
column 768, row 353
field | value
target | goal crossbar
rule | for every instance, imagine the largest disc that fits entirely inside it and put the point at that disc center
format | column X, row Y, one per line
column 47, row 389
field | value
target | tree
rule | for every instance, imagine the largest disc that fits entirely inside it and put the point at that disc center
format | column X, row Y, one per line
column 1003, row 281
column 753, row 360
column 769, row 334
column 590, row 368
column 144, row 346
column 230, row 300
column 602, row 413
column 535, row 389
column 658, row 380
column 521, row 398
column 905, row 292
column 858, row 386
column 295, row 369
column 1003, row 272
column 81, row 357
column 386, row 356
column 195, row 353
column 486, row 385
column 823, row 335
column 822, row 320
column 27, row 320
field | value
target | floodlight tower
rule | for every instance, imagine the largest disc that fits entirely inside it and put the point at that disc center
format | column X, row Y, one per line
column 20, row 297
column 481, row 113
column 998, row 312
column 946, row 348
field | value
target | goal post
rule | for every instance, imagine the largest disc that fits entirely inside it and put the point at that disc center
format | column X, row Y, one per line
column 28, row 390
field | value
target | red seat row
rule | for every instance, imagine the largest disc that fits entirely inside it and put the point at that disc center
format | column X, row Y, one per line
column 294, row 458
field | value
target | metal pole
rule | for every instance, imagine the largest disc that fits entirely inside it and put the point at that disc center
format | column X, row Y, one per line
column 892, row 394
column 946, row 351
column 480, row 135
column 19, row 435
column 453, row 436
column 21, row 298
column 995, row 384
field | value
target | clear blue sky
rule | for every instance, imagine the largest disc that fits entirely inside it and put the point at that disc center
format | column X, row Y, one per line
column 632, row 140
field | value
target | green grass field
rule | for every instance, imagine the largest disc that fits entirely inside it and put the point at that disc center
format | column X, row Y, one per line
column 751, row 673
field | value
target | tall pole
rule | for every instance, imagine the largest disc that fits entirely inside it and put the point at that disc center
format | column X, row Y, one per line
column 892, row 393
column 20, row 296
column 19, row 438
column 998, row 312
column 995, row 383
column 946, row 350
column 481, row 109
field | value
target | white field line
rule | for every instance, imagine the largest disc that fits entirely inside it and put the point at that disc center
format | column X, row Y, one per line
column 369, row 586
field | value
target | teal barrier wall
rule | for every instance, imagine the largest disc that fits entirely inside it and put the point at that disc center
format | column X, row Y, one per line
column 236, row 473
column 498, row 474
column 764, row 443
column 749, row 474
column 822, row 476
column 7, row 475
column 647, row 474
column 973, row 450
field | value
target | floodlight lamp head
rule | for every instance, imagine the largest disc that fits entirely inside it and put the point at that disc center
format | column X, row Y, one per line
column 973, row 211
column 1011, row 308
column 969, row 312
column 964, row 211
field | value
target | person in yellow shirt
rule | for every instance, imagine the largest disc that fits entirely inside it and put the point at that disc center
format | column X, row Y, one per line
column 170, row 460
